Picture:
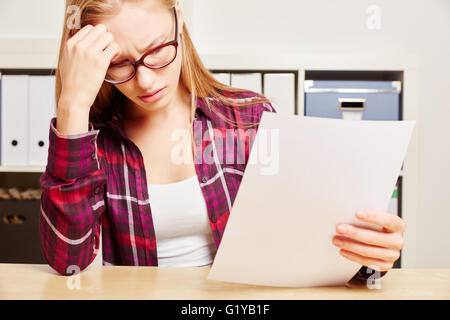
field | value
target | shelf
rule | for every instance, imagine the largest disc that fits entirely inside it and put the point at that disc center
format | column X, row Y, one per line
column 29, row 53
column 22, row 169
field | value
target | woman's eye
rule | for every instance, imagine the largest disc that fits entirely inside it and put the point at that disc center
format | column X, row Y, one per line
column 118, row 64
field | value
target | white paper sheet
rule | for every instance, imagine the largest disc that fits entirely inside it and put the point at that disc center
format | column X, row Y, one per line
column 284, row 217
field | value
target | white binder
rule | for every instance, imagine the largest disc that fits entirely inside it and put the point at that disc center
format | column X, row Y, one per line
column 279, row 88
column 14, row 122
column 41, row 109
column 249, row 81
column 223, row 78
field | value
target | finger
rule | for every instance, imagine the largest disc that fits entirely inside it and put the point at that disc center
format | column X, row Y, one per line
column 390, row 222
column 375, row 264
column 103, row 41
column 82, row 33
column 368, row 251
column 93, row 35
column 112, row 51
column 367, row 236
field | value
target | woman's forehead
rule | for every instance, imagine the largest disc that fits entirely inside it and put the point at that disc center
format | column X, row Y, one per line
column 135, row 27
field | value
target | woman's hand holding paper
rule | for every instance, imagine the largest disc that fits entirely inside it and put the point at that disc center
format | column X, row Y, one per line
column 377, row 250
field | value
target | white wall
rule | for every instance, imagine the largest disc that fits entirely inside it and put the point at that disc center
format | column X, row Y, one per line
column 417, row 27
column 42, row 18
column 31, row 18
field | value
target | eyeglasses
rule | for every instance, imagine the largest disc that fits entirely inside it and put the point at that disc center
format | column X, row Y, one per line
column 156, row 58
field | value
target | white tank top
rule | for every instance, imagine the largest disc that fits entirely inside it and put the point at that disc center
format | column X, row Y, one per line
column 182, row 230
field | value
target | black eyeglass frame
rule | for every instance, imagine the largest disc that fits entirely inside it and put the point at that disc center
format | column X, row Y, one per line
column 141, row 60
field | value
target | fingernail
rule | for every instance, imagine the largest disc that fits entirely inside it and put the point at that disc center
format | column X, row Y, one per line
column 337, row 242
column 342, row 228
column 361, row 214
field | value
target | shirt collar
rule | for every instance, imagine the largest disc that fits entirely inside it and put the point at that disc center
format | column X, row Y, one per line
column 202, row 106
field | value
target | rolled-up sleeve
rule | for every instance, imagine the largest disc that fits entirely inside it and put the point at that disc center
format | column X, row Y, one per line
column 72, row 200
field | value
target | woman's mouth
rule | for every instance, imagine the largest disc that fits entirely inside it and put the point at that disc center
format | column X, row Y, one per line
column 156, row 95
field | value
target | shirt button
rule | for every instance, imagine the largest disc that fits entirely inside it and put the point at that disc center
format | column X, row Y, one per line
column 213, row 219
column 97, row 190
column 93, row 156
column 204, row 179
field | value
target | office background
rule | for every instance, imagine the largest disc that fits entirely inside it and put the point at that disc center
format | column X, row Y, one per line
column 377, row 38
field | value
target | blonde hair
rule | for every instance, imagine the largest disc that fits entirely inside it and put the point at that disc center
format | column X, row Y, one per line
column 195, row 77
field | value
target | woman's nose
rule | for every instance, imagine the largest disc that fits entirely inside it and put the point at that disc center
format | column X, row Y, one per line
column 145, row 77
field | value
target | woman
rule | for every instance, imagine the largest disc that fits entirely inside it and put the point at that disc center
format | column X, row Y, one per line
column 113, row 164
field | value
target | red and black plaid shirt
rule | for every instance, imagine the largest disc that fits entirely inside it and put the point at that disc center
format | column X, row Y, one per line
column 97, row 181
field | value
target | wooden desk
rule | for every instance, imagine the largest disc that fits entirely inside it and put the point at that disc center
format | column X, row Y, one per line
column 31, row 281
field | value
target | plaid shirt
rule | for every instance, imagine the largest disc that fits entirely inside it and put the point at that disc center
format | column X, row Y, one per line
column 96, row 181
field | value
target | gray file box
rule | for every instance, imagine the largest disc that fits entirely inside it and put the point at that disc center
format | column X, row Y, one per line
column 358, row 100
